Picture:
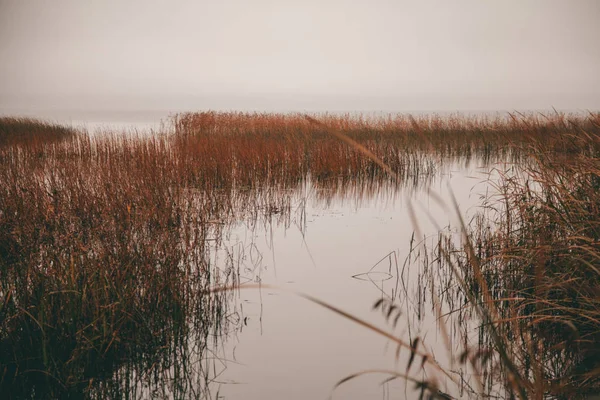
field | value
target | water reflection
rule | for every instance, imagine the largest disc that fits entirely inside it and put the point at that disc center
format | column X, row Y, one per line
column 348, row 250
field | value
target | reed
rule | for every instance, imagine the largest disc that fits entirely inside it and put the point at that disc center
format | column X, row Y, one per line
column 387, row 136
column 104, row 271
column 14, row 130
column 105, row 276
column 528, row 269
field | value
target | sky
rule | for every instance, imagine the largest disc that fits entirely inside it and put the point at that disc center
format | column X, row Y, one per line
column 372, row 55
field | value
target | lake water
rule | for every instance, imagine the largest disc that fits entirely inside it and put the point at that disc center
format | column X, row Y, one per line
column 348, row 252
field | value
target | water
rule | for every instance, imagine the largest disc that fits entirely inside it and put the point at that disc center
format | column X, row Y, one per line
column 348, row 253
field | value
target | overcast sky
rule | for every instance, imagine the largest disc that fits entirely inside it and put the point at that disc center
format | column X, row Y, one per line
column 310, row 54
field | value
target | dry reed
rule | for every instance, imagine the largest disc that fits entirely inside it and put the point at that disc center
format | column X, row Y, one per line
column 103, row 241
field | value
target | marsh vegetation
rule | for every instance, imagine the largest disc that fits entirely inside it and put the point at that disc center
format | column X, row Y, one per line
column 109, row 286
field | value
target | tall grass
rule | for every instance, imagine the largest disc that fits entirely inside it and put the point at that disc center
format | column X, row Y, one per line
column 104, row 273
column 389, row 137
column 30, row 131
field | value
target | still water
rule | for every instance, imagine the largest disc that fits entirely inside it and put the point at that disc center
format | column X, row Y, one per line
column 348, row 252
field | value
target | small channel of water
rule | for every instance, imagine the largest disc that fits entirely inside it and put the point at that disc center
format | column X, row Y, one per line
column 348, row 252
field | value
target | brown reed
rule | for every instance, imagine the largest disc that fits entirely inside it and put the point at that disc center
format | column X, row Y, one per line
column 103, row 241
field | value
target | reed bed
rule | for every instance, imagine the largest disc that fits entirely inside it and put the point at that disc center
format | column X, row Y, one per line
column 105, row 277
column 104, row 273
column 398, row 140
column 14, row 130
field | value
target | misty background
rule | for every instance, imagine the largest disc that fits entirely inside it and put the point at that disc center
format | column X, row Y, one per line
column 84, row 57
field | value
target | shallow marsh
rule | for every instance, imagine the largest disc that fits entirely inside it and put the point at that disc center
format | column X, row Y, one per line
column 115, row 249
